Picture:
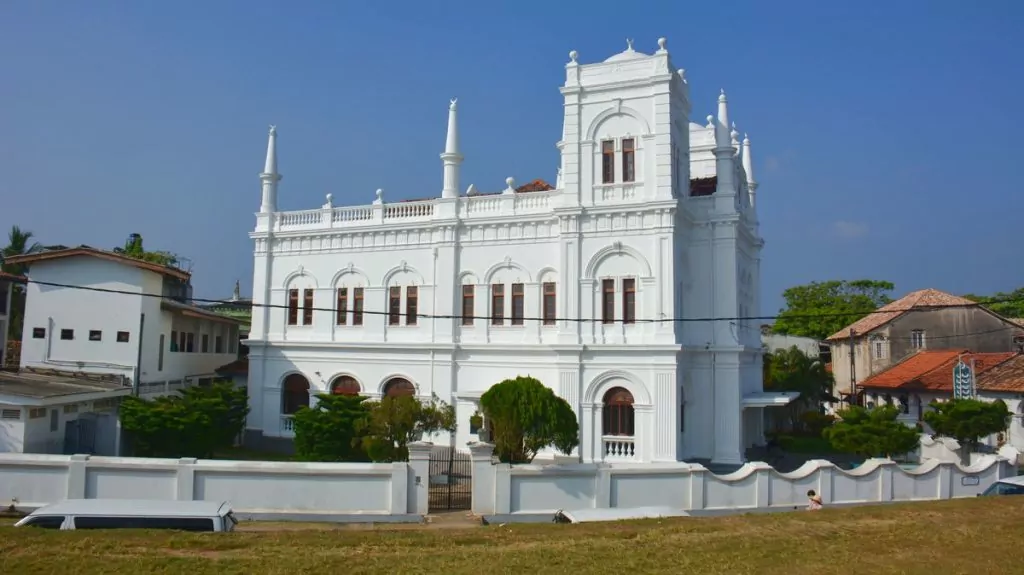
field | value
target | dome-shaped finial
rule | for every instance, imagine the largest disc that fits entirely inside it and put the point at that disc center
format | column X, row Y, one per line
column 662, row 42
column 451, row 105
column 721, row 97
column 746, row 139
column 380, row 196
column 510, row 181
column 573, row 54
column 629, row 44
column 711, row 121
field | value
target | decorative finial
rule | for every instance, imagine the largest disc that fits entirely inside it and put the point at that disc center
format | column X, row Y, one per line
column 451, row 106
column 746, row 139
column 711, row 121
column 682, row 74
column 721, row 97
column 273, row 130
column 380, row 196
column 629, row 44
column 573, row 54
column 662, row 42
column 330, row 201
column 510, row 181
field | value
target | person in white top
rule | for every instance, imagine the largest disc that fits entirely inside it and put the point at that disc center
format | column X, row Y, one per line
column 813, row 501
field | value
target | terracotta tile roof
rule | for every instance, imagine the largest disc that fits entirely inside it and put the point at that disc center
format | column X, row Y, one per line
column 932, row 370
column 534, row 186
column 102, row 254
column 237, row 367
column 924, row 298
column 11, row 277
column 1006, row 376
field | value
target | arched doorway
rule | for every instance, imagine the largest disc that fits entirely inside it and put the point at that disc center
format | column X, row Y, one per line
column 345, row 385
column 618, row 418
column 294, row 393
column 618, row 424
column 398, row 387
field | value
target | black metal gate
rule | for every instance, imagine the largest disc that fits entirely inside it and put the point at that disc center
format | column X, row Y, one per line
column 79, row 436
column 451, row 480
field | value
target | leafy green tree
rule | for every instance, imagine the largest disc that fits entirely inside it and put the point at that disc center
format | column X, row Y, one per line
column 793, row 370
column 393, row 422
column 333, row 430
column 525, row 416
column 968, row 420
column 1006, row 304
column 133, row 249
column 196, row 422
column 871, row 433
column 820, row 309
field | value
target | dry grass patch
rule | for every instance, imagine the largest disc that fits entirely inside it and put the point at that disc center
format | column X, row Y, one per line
column 973, row 536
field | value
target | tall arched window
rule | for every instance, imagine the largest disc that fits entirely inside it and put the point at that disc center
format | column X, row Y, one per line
column 398, row 387
column 294, row 393
column 345, row 385
column 618, row 416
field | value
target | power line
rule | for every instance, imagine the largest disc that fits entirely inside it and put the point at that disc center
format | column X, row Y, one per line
column 559, row 319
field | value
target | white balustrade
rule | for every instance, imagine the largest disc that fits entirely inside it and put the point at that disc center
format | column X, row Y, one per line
column 303, row 218
column 287, row 424
column 356, row 214
column 619, row 448
column 406, row 210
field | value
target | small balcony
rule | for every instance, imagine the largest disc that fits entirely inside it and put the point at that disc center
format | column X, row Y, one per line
column 619, row 448
column 287, row 426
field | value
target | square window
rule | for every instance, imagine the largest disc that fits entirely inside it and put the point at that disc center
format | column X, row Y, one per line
column 122, row 337
column 95, row 335
column 67, row 334
column 38, row 332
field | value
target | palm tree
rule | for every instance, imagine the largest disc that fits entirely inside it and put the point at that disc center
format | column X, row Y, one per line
column 19, row 243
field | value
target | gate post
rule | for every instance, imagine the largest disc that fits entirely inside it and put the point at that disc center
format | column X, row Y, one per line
column 483, row 478
column 419, row 477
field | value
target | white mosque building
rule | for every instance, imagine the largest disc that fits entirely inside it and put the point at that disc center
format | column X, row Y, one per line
column 600, row 286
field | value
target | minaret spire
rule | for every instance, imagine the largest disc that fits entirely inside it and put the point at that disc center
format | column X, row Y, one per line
column 451, row 156
column 725, row 169
column 270, row 177
column 748, row 167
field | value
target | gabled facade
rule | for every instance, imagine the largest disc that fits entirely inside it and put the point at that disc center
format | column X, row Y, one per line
column 98, row 312
column 582, row 286
column 926, row 319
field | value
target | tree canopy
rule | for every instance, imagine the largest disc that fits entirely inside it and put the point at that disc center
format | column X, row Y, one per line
column 526, row 416
column 393, row 422
column 968, row 420
column 871, row 433
column 331, row 431
column 195, row 422
column 820, row 309
column 1006, row 304
column 795, row 371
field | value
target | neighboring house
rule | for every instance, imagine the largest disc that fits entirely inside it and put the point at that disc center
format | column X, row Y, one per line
column 98, row 312
column 237, row 307
column 926, row 376
column 49, row 411
column 811, row 347
column 917, row 322
column 7, row 282
column 652, row 217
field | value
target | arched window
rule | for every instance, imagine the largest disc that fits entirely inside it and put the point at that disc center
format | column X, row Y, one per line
column 618, row 413
column 398, row 387
column 295, row 393
column 345, row 385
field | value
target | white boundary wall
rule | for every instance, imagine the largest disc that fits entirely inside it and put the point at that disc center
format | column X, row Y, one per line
column 252, row 487
column 503, row 489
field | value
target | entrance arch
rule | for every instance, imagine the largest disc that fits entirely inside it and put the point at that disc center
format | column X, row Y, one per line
column 294, row 393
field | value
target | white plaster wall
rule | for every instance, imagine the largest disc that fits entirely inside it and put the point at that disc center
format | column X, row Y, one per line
column 56, row 308
column 502, row 489
column 12, row 433
column 250, row 487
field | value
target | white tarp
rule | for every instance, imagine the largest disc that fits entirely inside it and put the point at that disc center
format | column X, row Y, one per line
column 616, row 514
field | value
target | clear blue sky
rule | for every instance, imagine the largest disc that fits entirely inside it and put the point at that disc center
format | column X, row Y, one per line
column 886, row 136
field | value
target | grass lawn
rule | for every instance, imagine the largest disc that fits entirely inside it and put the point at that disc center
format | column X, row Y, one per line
column 972, row 536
